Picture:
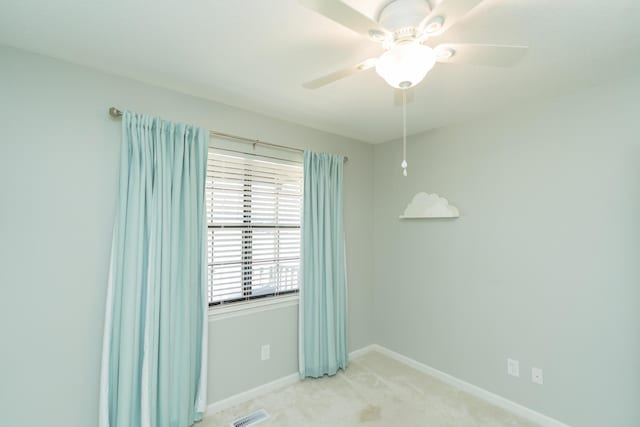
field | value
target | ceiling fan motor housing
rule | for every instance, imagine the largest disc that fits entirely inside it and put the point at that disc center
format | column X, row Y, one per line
column 403, row 17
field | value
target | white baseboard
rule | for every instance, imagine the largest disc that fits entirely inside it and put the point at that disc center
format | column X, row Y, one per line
column 261, row 390
column 513, row 407
column 362, row 351
column 483, row 394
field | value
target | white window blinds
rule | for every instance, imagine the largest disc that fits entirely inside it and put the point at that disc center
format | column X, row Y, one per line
column 253, row 235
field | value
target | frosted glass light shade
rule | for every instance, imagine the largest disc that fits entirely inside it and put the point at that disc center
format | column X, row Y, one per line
column 405, row 65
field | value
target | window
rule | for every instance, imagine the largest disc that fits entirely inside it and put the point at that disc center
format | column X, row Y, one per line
column 253, row 235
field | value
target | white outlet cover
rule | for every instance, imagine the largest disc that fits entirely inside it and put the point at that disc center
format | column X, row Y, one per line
column 513, row 367
column 536, row 375
column 265, row 352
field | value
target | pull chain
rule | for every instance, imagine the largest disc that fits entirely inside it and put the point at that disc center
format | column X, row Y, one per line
column 403, row 165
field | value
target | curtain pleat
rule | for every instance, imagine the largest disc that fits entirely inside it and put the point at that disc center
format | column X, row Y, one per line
column 323, row 291
column 154, row 347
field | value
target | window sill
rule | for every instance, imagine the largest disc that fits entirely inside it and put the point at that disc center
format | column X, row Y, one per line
column 251, row 307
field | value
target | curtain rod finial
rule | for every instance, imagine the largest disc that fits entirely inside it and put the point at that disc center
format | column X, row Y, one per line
column 114, row 112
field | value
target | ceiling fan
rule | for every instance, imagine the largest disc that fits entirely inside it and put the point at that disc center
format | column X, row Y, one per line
column 405, row 29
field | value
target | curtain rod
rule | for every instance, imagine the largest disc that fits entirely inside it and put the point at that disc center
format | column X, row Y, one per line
column 114, row 112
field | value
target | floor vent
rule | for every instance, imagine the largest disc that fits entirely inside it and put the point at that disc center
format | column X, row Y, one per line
column 251, row 419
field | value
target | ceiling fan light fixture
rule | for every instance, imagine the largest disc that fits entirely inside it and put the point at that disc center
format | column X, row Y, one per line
column 367, row 63
column 377, row 36
column 434, row 25
column 405, row 65
column 445, row 53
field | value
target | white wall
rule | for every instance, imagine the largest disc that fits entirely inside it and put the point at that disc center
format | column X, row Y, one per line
column 58, row 170
column 542, row 266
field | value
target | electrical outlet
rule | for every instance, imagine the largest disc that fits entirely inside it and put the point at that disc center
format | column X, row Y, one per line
column 513, row 367
column 266, row 352
column 536, row 375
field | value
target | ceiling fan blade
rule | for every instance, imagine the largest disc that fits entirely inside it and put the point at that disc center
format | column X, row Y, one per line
column 344, row 15
column 340, row 74
column 480, row 54
column 449, row 10
column 397, row 96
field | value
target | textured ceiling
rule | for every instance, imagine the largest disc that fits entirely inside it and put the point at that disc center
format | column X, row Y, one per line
column 255, row 54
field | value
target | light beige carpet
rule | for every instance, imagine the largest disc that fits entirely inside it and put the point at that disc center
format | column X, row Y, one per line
column 374, row 391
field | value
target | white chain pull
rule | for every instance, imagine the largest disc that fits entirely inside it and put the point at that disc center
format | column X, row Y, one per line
column 403, row 165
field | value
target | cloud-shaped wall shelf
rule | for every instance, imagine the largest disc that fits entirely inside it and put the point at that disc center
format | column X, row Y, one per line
column 426, row 205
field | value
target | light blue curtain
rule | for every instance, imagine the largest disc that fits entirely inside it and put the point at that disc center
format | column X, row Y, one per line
column 323, row 291
column 154, row 347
